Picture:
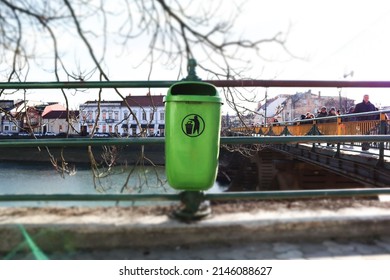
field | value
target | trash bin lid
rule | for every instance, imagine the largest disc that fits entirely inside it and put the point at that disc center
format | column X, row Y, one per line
column 193, row 91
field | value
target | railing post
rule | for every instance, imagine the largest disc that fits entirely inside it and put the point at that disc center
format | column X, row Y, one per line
column 285, row 131
column 191, row 75
column 339, row 126
column 270, row 132
column 261, row 132
column 314, row 130
column 313, row 147
column 382, row 130
column 339, row 132
column 195, row 207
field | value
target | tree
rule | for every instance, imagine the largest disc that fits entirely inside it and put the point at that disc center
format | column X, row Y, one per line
column 175, row 31
column 74, row 38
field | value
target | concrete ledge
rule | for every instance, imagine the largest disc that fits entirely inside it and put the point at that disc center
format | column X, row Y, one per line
column 110, row 228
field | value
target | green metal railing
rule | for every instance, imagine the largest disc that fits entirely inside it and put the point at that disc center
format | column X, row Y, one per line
column 17, row 143
column 239, row 140
column 259, row 195
column 192, row 200
column 217, row 83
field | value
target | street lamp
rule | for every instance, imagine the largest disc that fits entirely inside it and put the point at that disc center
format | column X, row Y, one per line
column 350, row 74
column 265, row 108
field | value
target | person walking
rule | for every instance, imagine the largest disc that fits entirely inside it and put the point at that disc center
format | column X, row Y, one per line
column 365, row 106
column 322, row 113
column 332, row 113
column 362, row 107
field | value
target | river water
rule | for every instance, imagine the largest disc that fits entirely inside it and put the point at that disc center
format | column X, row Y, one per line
column 42, row 178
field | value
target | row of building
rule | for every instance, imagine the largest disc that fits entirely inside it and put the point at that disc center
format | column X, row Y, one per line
column 132, row 116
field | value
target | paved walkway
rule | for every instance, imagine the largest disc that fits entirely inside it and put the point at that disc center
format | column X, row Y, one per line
column 283, row 232
column 350, row 249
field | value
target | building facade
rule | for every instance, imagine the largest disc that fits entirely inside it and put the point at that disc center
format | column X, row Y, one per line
column 58, row 121
column 100, row 116
column 135, row 115
column 8, row 126
column 291, row 107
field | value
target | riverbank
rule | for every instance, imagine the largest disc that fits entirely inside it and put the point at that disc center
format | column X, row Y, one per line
column 129, row 154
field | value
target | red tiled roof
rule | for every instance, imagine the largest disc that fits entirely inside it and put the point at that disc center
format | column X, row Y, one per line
column 53, row 107
column 144, row 100
column 60, row 114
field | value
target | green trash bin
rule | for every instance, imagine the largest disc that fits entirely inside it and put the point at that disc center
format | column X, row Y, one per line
column 192, row 135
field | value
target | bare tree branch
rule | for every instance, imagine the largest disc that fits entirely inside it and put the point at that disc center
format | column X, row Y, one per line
column 34, row 32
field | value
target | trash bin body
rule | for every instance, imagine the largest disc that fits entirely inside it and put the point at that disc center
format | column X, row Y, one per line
column 192, row 135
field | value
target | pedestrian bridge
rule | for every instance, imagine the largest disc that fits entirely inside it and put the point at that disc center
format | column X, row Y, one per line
column 332, row 143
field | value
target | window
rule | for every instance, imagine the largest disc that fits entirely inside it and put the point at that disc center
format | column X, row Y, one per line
column 133, row 117
column 162, row 116
column 110, row 115
column 6, row 127
column 116, row 114
column 104, row 114
column 151, row 116
column 125, row 115
column 144, row 116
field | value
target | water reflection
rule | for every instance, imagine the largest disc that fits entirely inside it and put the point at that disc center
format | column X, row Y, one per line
column 41, row 178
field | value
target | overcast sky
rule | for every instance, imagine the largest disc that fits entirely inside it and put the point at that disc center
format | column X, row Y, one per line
column 329, row 39
column 333, row 38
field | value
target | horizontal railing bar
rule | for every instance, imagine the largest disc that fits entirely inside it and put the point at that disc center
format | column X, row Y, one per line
column 89, row 84
column 78, row 142
column 323, row 193
column 89, row 197
column 296, row 194
column 217, row 83
column 71, row 142
column 303, row 139
column 300, row 83
column 328, row 118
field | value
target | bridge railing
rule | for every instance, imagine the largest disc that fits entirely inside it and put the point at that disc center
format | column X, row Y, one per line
column 370, row 123
column 349, row 124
